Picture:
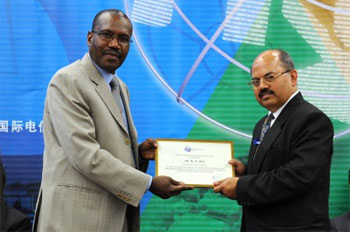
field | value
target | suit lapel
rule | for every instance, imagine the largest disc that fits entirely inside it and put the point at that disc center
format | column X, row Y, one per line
column 123, row 94
column 272, row 134
column 253, row 145
column 103, row 91
column 132, row 130
column 264, row 146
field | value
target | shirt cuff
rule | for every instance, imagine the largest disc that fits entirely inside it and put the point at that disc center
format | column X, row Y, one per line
column 149, row 183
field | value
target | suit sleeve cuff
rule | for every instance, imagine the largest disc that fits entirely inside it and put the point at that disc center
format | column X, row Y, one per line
column 242, row 198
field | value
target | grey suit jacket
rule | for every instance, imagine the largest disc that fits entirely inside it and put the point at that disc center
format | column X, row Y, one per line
column 90, row 178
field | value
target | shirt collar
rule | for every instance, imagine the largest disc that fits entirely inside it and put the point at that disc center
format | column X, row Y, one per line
column 278, row 112
column 107, row 76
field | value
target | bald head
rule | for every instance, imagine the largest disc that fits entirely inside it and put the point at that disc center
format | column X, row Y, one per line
column 277, row 78
column 276, row 56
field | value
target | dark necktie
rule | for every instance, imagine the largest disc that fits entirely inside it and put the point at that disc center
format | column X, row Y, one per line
column 266, row 126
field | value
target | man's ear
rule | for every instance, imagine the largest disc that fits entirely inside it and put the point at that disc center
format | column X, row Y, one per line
column 89, row 38
column 294, row 77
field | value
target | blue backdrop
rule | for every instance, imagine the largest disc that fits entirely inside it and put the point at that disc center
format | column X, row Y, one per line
column 187, row 72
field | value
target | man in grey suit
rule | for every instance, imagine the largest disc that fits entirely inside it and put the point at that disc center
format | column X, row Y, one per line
column 93, row 175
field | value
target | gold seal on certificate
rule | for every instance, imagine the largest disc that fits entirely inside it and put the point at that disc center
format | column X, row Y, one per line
column 194, row 162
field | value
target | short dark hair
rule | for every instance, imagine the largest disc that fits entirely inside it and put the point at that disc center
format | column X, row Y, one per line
column 112, row 11
column 286, row 59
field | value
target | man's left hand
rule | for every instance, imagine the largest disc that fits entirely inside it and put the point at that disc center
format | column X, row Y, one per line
column 227, row 187
column 147, row 149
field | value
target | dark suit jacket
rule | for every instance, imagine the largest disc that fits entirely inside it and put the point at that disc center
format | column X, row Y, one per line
column 3, row 207
column 287, row 186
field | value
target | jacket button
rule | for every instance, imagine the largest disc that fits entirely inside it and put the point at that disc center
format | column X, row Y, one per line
column 127, row 142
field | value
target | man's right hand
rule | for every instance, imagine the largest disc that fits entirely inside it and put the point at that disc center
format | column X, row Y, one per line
column 165, row 187
column 240, row 168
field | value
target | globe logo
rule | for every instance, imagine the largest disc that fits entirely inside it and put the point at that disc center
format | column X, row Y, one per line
column 214, row 44
column 187, row 149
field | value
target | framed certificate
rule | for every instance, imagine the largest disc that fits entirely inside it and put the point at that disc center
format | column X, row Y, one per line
column 194, row 162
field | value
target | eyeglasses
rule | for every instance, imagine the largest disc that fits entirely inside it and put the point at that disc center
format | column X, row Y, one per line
column 255, row 83
column 109, row 36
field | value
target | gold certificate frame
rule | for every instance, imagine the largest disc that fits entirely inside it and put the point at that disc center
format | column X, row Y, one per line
column 195, row 162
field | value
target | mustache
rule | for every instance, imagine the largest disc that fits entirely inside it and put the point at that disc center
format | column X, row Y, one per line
column 265, row 91
column 112, row 52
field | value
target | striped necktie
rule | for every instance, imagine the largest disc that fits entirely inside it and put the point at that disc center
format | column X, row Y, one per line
column 266, row 126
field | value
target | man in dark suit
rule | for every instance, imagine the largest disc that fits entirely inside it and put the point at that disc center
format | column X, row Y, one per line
column 285, row 185
column 3, row 207
column 11, row 219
